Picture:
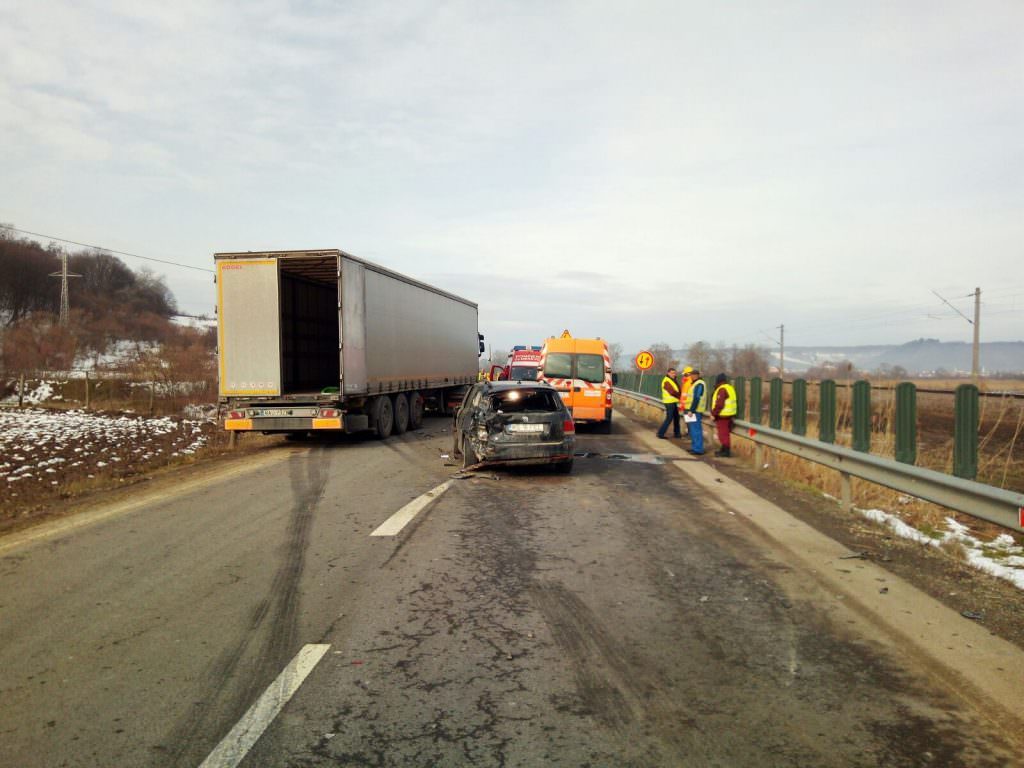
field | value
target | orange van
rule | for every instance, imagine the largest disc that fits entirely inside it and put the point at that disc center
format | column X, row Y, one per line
column 581, row 370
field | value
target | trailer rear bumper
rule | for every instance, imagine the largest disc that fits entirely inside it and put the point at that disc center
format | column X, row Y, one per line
column 285, row 424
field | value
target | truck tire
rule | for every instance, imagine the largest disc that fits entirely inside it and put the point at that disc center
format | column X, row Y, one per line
column 415, row 410
column 401, row 411
column 564, row 467
column 382, row 416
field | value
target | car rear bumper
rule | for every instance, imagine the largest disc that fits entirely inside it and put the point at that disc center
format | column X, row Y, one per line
column 526, row 453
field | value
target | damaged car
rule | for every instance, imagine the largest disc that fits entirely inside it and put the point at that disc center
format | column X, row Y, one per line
column 514, row 422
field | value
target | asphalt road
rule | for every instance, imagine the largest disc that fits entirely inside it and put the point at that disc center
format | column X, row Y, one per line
column 620, row 616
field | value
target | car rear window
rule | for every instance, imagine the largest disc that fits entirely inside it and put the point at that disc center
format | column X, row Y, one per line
column 525, row 400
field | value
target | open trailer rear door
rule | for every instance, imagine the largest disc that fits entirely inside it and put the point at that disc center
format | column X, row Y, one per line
column 249, row 326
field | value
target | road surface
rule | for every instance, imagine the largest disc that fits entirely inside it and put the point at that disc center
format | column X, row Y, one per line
column 627, row 615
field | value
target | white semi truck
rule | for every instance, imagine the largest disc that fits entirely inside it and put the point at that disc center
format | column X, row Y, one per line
column 322, row 340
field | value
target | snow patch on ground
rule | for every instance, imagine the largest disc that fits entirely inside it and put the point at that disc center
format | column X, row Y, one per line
column 999, row 557
column 42, row 392
column 57, row 447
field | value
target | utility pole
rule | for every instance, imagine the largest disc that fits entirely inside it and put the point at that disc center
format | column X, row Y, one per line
column 975, row 358
column 976, row 322
column 65, row 308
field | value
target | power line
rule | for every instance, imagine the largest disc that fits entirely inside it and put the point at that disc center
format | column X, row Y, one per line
column 108, row 250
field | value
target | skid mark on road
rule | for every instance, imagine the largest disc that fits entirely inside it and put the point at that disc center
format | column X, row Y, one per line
column 271, row 628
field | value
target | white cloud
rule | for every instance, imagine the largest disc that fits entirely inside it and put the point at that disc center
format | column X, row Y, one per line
column 755, row 164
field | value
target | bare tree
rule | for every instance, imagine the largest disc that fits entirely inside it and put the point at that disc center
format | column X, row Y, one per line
column 616, row 354
column 750, row 360
column 663, row 357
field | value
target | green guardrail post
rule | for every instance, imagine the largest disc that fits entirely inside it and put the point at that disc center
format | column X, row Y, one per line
column 827, row 411
column 906, row 423
column 740, row 385
column 799, row 407
column 755, row 400
column 861, row 416
column 775, row 403
column 965, row 436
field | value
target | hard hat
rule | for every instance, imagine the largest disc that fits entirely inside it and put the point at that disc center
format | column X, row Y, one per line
column 687, row 369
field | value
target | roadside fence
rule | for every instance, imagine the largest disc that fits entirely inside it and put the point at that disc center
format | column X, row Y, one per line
column 104, row 390
column 852, row 417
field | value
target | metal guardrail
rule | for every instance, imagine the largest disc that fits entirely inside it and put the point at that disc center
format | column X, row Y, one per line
column 985, row 502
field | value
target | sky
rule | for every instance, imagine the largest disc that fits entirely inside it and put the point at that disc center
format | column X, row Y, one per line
column 643, row 172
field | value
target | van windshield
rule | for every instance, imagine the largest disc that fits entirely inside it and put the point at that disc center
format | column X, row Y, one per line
column 523, row 373
column 590, row 368
column 558, row 365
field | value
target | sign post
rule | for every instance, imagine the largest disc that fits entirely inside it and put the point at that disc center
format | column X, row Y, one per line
column 643, row 361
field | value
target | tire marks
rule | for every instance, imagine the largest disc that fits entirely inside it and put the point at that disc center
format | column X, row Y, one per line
column 270, row 637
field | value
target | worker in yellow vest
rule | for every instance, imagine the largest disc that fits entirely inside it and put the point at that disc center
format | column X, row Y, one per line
column 695, row 410
column 723, row 411
column 670, row 399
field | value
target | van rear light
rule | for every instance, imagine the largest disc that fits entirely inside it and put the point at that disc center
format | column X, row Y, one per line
column 568, row 425
column 236, row 414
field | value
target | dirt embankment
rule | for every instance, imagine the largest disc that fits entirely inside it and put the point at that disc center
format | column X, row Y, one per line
column 52, row 459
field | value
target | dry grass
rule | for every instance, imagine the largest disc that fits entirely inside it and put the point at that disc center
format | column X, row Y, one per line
column 1000, row 448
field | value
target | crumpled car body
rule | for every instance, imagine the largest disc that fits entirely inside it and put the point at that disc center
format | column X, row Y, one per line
column 514, row 423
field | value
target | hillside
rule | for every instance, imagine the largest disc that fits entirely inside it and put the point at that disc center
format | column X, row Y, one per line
column 919, row 357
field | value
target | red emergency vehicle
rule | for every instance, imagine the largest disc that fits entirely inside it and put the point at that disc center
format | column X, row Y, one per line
column 522, row 363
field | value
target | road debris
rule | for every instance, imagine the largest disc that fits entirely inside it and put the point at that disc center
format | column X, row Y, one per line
column 704, row 598
column 973, row 615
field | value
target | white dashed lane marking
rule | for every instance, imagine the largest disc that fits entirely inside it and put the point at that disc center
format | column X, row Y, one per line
column 394, row 524
column 247, row 731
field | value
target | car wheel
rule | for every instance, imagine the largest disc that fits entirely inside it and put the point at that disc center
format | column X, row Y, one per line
column 382, row 417
column 564, row 467
column 605, row 427
column 415, row 410
column 401, row 408
column 469, row 457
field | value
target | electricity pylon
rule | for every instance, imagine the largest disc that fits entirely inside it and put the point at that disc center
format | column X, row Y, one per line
column 65, row 307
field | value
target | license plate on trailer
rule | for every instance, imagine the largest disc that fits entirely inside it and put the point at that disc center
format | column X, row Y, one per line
column 525, row 427
column 285, row 412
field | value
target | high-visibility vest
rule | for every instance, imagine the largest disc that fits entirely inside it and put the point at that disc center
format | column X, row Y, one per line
column 666, row 395
column 702, row 404
column 729, row 407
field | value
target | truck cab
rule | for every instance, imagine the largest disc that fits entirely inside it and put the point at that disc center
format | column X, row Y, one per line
column 581, row 371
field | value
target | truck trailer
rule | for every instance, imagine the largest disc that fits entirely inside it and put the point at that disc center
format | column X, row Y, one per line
column 320, row 340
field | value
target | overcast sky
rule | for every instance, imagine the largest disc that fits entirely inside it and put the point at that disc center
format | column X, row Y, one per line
column 648, row 171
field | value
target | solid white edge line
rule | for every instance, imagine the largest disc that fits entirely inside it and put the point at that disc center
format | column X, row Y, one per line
column 254, row 722
column 404, row 516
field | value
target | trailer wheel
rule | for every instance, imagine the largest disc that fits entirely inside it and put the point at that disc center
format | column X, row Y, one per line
column 415, row 410
column 401, row 410
column 382, row 416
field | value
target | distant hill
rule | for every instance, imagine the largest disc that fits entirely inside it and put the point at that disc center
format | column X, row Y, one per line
column 920, row 357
